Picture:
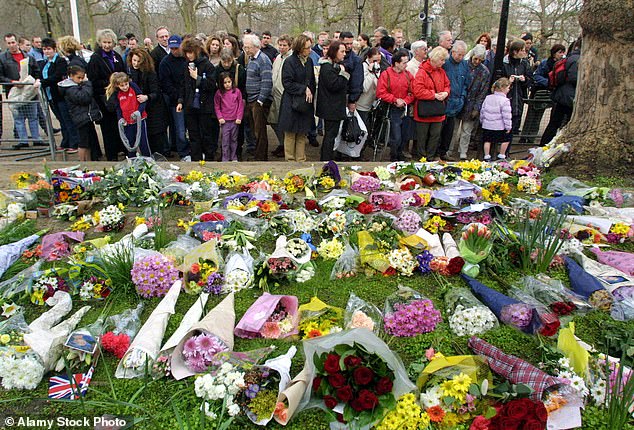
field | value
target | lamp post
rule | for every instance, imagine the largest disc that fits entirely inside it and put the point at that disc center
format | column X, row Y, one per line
column 360, row 5
column 499, row 52
column 49, row 33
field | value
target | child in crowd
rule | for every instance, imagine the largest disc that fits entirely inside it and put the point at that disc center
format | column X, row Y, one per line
column 496, row 119
column 229, row 107
column 122, row 94
column 83, row 109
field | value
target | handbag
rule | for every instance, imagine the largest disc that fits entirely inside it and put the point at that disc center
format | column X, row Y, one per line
column 430, row 108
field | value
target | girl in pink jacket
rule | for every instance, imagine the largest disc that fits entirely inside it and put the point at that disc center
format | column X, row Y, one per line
column 229, row 107
column 496, row 119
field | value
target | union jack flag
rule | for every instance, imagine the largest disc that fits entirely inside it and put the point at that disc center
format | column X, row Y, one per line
column 59, row 387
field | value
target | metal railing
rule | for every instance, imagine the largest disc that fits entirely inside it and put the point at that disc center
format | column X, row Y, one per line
column 41, row 101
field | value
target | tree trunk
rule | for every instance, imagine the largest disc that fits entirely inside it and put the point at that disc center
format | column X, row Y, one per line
column 187, row 9
column 92, row 28
column 144, row 18
column 601, row 130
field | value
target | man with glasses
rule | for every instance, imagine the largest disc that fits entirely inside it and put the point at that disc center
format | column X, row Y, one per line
column 161, row 50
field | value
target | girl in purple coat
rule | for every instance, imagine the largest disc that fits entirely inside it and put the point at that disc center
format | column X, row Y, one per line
column 497, row 119
column 229, row 107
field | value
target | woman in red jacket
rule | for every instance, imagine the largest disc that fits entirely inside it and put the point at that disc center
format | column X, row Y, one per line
column 395, row 88
column 431, row 83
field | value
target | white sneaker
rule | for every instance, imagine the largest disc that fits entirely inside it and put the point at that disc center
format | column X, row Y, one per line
column 463, row 156
column 487, row 158
column 501, row 157
column 186, row 159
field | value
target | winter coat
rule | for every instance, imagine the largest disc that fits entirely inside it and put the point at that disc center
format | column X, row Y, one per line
column 114, row 104
column 171, row 77
column 519, row 89
column 157, row 54
column 205, row 83
column 477, row 91
column 278, row 88
column 76, row 60
column 428, row 82
column 460, row 79
column 240, row 76
column 295, row 78
column 10, row 71
column 370, row 81
column 56, row 73
column 81, row 103
column 99, row 71
column 541, row 75
column 565, row 94
column 331, row 96
column 354, row 67
column 393, row 85
column 496, row 112
column 229, row 105
column 157, row 114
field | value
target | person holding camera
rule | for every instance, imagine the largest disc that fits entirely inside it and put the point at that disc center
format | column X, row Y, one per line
column 371, row 73
column 519, row 73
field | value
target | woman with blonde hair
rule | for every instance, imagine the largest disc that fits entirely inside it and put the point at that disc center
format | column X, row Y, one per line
column 103, row 63
column 71, row 49
column 142, row 72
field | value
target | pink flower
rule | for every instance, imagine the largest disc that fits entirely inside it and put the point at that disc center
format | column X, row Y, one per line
column 190, row 347
column 430, row 353
column 271, row 330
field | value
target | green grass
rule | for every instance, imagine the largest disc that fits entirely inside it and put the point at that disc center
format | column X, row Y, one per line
column 164, row 403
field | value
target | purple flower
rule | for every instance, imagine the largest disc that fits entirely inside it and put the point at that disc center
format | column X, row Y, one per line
column 413, row 318
column 153, row 275
column 252, row 391
column 423, row 262
column 215, row 282
column 518, row 315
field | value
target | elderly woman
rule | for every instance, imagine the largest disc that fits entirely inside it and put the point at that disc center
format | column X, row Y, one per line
column 517, row 69
column 331, row 98
column 476, row 92
column 103, row 63
column 141, row 71
column 296, row 110
column 431, row 88
column 71, row 49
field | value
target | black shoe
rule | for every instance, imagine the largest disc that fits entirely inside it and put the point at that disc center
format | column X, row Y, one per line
column 57, row 130
column 40, row 143
column 278, row 152
column 312, row 141
column 20, row 146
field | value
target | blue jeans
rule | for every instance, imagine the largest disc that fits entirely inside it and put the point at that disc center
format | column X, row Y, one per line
column 70, row 136
column 178, row 118
column 398, row 133
column 20, row 114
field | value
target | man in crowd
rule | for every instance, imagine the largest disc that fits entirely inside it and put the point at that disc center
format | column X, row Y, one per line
column 10, row 64
column 531, row 52
column 353, row 65
column 458, row 72
column 36, row 48
column 171, row 78
column 322, row 40
column 399, row 39
column 123, row 44
column 419, row 49
column 147, row 44
column 379, row 33
column 267, row 48
column 259, row 89
column 132, row 44
column 445, row 39
column 284, row 44
column 161, row 50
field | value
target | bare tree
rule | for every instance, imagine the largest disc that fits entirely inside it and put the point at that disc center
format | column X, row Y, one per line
column 50, row 11
column 98, row 8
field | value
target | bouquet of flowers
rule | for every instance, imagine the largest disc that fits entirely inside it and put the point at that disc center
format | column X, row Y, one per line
column 588, row 287
column 154, row 275
column 386, row 201
column 271, row 317
column 508, row 310
column 95, row 288
column 135, row 183
column 406, row 415
column 416, row 198
column 56, row 246
column 81, row 347
column 305, row 272
column 67, row 189
column 365, row 184
column 238, row 274
column 347, row 265
column 303, row 221
column 239, row 203
column 316, row 318
column 402, row 261
column 45, row 284
column 475, row 245
column 281, row 223
column 210, row 226
column 361, row 314
column 145, row 347
column 553, row 294
column 620, row 260
column 330, row 249
column 408, row 222
column 124, row 327
column 408, row 313
column 468, row 316
column 198, row 265
column 335, row 223
column 549, row 319
column 219, row 391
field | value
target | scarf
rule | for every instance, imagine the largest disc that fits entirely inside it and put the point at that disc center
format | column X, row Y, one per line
column 45, row 75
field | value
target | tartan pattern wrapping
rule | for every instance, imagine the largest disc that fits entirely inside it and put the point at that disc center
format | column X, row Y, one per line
column 514, row 369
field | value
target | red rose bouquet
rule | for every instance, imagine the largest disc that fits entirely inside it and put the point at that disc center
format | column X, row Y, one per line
column 520, row 414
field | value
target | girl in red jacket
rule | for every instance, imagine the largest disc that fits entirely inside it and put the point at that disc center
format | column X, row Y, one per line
column 395, row 88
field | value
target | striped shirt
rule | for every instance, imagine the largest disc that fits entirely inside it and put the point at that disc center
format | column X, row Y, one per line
column 259, row 78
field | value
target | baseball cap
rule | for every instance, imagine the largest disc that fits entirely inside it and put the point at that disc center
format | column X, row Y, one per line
column 174, row 41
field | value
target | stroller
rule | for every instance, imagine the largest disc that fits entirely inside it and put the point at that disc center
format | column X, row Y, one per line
column 379, row 128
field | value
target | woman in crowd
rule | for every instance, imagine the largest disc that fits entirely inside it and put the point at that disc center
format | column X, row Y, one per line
column 71, row 49
column 519, row 73
column 371, row 72
column 331, row 98
column 231, row 43
column 431, row 88
column 103, row 63
column 213, row 46
column 197, row 101
column 142, row 72
column 296, row 109
column 54, row 69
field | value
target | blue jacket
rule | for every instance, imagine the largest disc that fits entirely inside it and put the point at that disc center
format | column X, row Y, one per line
column 354, row 66
column 460, row 77
column 541, row 75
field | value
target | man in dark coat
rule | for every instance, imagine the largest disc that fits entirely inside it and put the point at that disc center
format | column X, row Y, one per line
column 354, row 66
column 161, row 50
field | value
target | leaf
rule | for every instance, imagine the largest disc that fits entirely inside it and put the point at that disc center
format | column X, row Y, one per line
column 490, row 412
column 474, row 390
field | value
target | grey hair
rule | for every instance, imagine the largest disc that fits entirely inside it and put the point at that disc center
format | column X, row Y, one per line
column 383, row 31
column 309, row 34
column 460, row 44
column 226, row 55
column 418, row 44
column 443, row 34
column 252, row 38
column 478, row 51
column 106, row 33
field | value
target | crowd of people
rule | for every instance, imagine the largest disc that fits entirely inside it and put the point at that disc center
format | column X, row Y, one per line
column 196, row 94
